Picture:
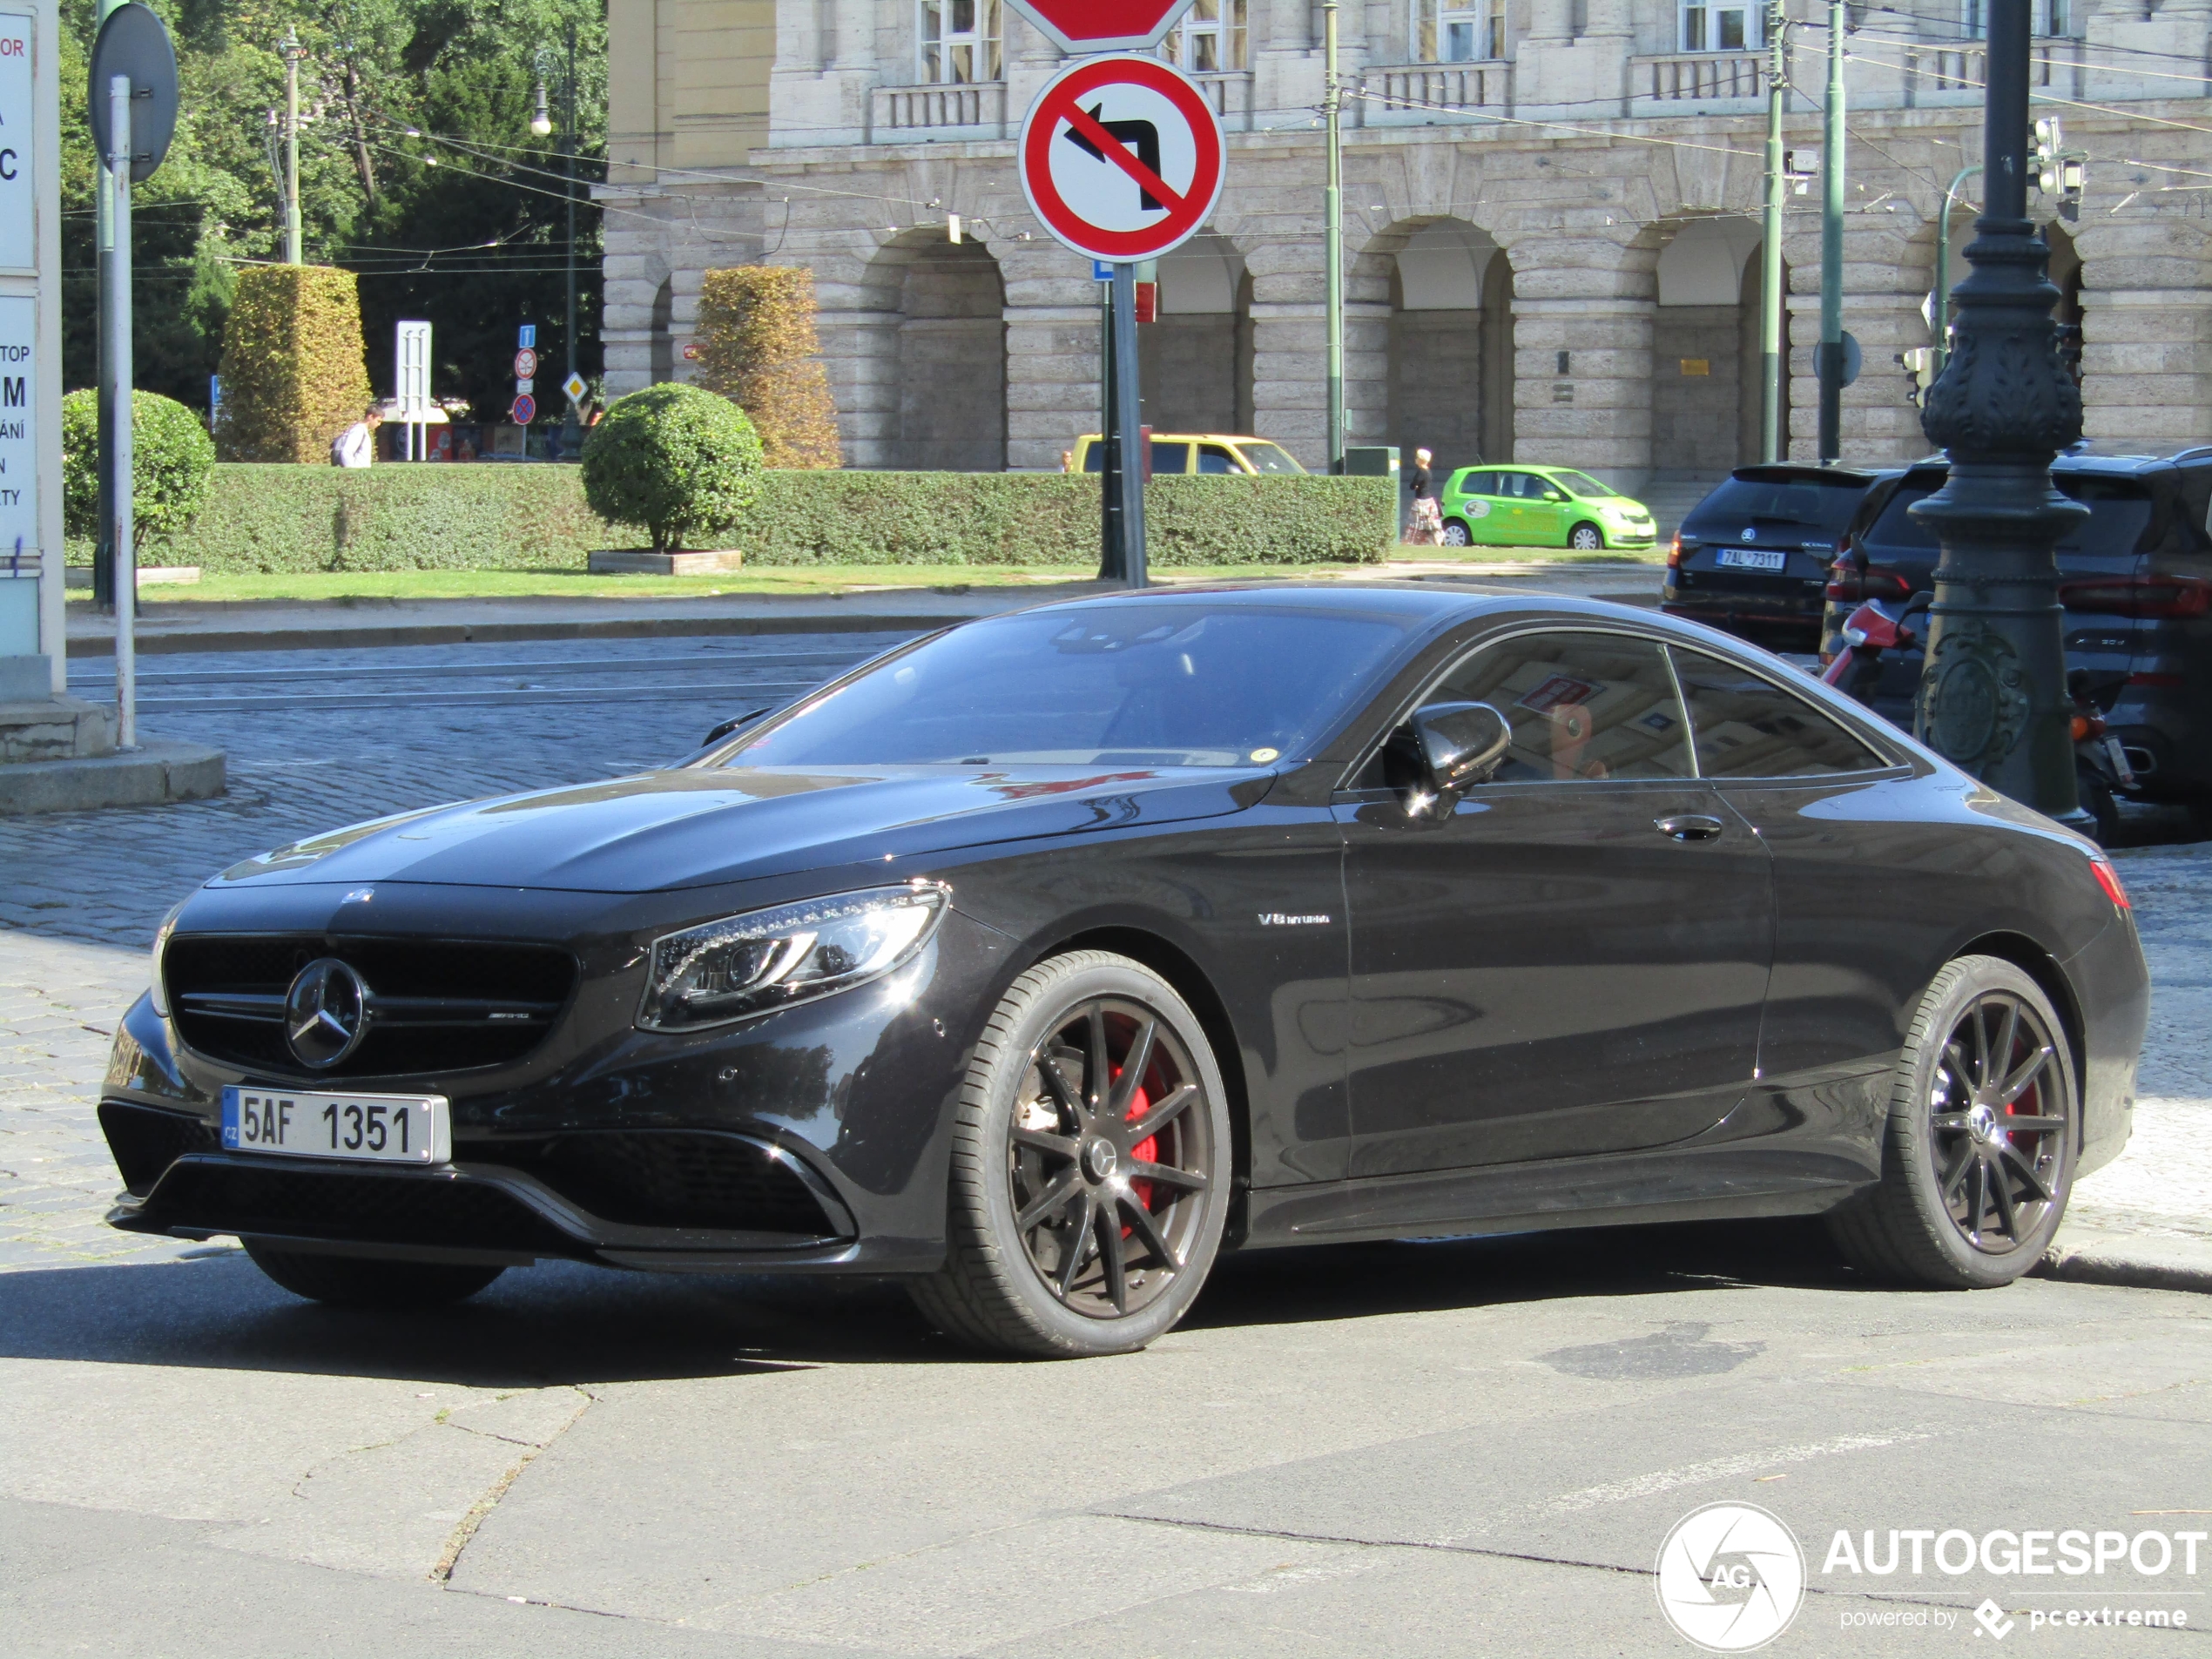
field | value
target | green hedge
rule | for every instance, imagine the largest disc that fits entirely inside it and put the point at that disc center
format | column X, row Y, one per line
column 521, row 516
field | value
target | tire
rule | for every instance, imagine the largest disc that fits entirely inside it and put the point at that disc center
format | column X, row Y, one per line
column 2097, row 800
column 369, row 1281
column 1456, row 533
column 1966, row 1203
column 1108, row 1261
column 1586, row 539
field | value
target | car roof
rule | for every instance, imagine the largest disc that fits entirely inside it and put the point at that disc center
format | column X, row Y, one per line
column 1789, row 472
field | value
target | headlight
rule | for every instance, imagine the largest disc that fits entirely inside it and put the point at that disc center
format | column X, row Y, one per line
column 155, row 991
column 721, row 971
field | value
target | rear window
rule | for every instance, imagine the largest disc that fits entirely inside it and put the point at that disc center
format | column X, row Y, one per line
column 1820, row 504
column 2118, row 512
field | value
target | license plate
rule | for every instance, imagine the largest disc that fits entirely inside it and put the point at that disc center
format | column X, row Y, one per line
column 380, row 1128
column 1753, row 558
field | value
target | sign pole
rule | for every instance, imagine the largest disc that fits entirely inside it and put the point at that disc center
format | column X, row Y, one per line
column 1130, row 418
column 115, row 357
column 104, row 238
column 1110, row 566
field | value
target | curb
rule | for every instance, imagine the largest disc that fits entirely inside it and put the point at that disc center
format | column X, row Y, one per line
column 153, row 774
column 461, row 633
column 2130, row 1262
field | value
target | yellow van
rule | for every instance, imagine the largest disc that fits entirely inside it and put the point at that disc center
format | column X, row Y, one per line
column 1193, row 452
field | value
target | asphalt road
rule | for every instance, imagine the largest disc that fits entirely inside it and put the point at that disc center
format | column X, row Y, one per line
column 1449, row 1449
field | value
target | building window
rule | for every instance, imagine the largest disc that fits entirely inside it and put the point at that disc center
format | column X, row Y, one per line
column 1720, row 28
column 1448, row 33
column 959, row 41
column 1210, row 38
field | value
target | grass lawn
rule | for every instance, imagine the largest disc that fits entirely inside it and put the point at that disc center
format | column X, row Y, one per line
column 798, row 581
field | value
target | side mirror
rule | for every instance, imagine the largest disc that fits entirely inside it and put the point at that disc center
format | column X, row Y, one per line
column 1554, row 494
column 1461, row 743
column 730, row 725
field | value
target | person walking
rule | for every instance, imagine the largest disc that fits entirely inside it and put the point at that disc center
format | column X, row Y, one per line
column 1427, row 527
column 356, row 445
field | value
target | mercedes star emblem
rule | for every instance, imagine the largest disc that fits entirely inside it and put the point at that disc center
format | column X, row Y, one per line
column 326, row 1013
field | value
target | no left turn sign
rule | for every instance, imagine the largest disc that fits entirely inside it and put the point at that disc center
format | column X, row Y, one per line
column 1120, row 158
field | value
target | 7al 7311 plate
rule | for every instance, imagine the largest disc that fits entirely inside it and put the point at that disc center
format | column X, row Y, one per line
column 379, row 1129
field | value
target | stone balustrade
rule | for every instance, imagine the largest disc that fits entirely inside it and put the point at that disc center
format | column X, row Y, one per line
column 965, row 109
column 1411, row 94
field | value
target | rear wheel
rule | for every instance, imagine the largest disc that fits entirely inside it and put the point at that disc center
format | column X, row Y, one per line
column 1978, row 1158
column 1456, row 533
column 1090, row 1169
column 1586, row 539
column 368, row 1281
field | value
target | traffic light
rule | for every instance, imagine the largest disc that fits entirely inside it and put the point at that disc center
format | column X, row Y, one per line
column 1919, row 363
column 2058, row 172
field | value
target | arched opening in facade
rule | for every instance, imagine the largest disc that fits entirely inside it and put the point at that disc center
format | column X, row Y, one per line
column 661, row 344
column 931, row 392
column 1706, row 361
column 1442, row 291
column 1195, row 358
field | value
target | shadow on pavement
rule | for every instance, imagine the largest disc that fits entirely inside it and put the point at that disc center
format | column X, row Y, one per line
column 566, row 1323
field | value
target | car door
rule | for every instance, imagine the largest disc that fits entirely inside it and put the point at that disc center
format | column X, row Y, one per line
column 1217, row 460
column 1570, row 960
column 1480, row 507
column 1513, row 508
column 1549, row 511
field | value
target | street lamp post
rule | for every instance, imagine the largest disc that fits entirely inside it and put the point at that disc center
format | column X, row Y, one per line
column 541, row 124
column 1991, row 696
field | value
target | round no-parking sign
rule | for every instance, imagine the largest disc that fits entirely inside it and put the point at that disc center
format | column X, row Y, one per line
column 1120, row 158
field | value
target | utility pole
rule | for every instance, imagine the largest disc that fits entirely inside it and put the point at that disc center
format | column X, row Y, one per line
column 104, row 238
column 1774, row 442
column 1942, row 320
column 292, row 56
column 1992, row 693
column 115, row 361
column 572, row 428
column 1332, row 233
column 1830, row 363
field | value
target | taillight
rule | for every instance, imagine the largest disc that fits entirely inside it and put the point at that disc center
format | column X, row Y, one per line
column 2143, row 596
column 2088, row 726
column 2109, row 878
column 1674, row 552
column 1847, row 582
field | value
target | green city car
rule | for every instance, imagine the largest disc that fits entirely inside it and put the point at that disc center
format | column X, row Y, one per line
column 1540, row 507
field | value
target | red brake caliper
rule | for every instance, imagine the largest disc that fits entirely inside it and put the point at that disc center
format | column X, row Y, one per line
column 1145, row 1151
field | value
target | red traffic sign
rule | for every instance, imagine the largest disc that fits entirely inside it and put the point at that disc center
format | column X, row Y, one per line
column 525, row 364
column 1122, row 158
column 523, row 411
column 1080, row 26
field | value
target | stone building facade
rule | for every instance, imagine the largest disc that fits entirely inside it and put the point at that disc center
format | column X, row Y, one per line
column 1552, row 207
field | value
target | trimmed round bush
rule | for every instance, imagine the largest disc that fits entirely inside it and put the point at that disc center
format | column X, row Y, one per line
column 679, row 462
column 172, row 459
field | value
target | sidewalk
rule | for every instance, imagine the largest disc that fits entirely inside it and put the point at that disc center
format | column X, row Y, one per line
column 217, row 625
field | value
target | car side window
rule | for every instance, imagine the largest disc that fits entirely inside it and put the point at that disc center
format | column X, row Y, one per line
column 1747, row 726
column 1215, row 459
column 1582, row 705
column 1481, row 484
column 1171, row 457
column 1512, row 485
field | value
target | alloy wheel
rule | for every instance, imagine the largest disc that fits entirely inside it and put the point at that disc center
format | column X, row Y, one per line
column 1998, row 1110
column 1107, row 1159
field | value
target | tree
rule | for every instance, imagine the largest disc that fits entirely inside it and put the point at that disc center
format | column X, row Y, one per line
column 676, row 462
column 756, row 347
column 172, row 459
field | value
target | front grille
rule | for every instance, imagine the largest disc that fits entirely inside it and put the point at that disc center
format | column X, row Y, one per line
column 145, row 1140
column 670, row 1178
column 355, row 1207
column 439, row 1005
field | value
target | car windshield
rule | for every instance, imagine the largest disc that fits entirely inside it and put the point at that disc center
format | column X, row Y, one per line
column 1268, row 457
column 1139, row 683
column 1824, row 504
column 2119, row 510
column 1585, row 486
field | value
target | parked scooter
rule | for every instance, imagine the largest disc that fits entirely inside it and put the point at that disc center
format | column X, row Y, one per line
column 2101, row 773
column 1872, row 629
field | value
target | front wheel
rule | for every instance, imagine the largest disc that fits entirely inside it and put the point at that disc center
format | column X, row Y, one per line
column 1090, row 1165
column 1977, row 1156
column 1586, row 539
column 367, row 1281
column 1456, row 533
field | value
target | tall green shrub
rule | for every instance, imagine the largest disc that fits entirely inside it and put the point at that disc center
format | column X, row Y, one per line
column 294, row 372
column 172, row 459
column 678, row 461
column 757, row 346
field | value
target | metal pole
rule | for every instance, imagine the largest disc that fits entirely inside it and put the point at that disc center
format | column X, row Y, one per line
column 292, row 56
column 1773, row 440
column 114, row 317
column 1831, row 365
column 1110, row 566
column 1332, row 233
column 1941, row 322
column 104, row 238
column 1130, row 417
column 1992, row 693
column 571, row 432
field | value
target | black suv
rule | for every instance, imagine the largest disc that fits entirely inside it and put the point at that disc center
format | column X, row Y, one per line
column 2136, row 581
column 1753, row 557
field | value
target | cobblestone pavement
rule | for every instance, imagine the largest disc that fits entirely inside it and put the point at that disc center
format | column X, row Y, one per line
column 318, row 739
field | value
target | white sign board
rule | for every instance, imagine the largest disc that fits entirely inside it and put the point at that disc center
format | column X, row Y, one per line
column 411, row 369
column 18, row 425
column 18, row 175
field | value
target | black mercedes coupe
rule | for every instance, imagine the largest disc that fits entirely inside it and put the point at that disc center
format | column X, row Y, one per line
column 1037, row 962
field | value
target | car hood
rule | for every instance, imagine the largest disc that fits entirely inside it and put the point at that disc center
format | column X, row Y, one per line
column 699, row 827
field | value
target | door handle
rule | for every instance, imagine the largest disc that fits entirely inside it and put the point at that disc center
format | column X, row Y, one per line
column 1689, row 827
